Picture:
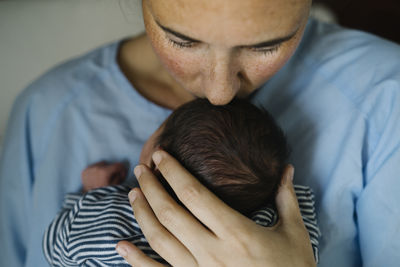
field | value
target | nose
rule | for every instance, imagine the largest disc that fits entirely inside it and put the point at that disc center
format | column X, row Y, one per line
column 223, row 80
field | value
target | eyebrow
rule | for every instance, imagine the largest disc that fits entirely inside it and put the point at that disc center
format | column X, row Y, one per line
column 268, row 43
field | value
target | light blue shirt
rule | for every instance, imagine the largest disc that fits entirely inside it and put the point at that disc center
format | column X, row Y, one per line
column 338, row 100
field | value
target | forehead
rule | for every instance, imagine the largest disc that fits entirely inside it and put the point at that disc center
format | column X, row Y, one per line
column 229, row 21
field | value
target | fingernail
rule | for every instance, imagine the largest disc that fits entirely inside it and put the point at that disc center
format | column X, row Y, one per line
column 121, row 250
column 156, row 157
column 138, row 171
column 132, row 196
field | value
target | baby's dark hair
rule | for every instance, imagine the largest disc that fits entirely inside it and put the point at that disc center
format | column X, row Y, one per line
column 237, row 150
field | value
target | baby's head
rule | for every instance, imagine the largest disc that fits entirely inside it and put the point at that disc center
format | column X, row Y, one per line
column 237, row 151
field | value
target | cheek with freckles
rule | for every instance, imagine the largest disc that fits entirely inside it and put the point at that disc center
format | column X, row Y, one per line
column 175, row 63
column 180, row 65
column 184, row 67
column 262, row 69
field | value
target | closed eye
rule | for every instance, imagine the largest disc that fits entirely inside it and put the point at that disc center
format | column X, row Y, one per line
column 181, row 44
column 266, row 50
column 268, row 47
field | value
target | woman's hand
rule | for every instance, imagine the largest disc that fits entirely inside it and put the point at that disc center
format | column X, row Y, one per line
column 229, row 238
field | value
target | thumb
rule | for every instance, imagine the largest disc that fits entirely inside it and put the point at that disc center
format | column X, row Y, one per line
column 134, row 256
column 286, row 199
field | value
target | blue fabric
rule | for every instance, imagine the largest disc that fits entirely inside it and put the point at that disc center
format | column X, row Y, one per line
column 338, row 99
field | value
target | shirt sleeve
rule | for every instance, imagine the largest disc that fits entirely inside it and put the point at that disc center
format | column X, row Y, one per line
column 16, row 181
column 87, row 229
column 55, row 232
column 377, row 208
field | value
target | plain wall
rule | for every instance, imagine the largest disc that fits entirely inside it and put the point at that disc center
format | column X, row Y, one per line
column 36, row 35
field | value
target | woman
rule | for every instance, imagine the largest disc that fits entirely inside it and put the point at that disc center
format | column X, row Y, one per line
column 337, row 98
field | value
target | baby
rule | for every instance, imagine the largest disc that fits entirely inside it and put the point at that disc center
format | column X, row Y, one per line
column 237, row 151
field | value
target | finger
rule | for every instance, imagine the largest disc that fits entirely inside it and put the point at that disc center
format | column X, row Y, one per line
column 161, row 241
column 286, row 200
column 170, row 214
column 135, row 256
column 116, row 168
column 207, row 207
column 116, row 179
column 116, row 173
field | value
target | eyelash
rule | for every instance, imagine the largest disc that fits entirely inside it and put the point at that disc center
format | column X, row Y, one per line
column 177, row 44
column 264, row 51
column 267, row 51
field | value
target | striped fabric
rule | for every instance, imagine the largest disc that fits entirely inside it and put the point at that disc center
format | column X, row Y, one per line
column 88, row 227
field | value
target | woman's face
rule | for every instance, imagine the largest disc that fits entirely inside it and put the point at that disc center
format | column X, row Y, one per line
column 222, row 48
